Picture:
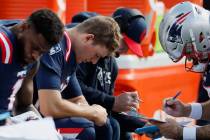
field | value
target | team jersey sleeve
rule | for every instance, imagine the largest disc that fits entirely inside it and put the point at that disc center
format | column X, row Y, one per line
column 114, row 74
column 206, row 81
column 49, row 73
column 73, row 88
column 0, row 54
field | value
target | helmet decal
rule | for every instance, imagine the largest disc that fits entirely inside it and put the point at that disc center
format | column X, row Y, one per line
column 182, row 18
column 174, row 34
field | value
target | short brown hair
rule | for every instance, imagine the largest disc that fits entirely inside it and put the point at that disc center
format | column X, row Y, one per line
column 105, row 30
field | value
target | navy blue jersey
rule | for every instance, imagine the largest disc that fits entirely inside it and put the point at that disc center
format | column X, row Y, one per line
column 11, row 70
column 57, row 70
column 206, row 80
column 9, row 22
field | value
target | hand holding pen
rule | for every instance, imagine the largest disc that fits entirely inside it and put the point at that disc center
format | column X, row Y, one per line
column 173, row 106
column 134, row 95
column 125, row 101
column 170, row 102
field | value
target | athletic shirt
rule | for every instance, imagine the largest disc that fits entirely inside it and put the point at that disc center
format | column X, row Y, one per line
column 206, row 80
column 57, row 70
column 11, row 70
column 97, row 81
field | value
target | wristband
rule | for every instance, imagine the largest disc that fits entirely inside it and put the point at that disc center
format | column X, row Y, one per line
column 196, row 111
column 189, row 133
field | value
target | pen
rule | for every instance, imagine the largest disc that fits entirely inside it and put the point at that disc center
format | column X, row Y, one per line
column 139, row 100
column 173, row 98
column 177, row 94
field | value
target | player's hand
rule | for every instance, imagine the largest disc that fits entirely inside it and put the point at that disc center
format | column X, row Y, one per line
column 153, row 135
column 170, row 129
column 100, row 115
column 176, row 108
column 126, row 101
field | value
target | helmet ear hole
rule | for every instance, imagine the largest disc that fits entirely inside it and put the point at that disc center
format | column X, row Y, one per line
column 201, row 37
column 174, row 48
column 204, row 46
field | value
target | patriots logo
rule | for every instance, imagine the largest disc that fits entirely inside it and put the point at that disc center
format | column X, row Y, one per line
column 55, row 49
column 174, row 34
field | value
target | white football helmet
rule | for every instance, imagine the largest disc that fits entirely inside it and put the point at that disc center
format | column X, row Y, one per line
column 185, row 31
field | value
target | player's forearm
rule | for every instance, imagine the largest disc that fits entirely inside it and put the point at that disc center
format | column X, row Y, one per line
column 205, row 110
column 80, row 100
column 20, row 110
column 203, row 133
column 68, row 109
column 197, row 110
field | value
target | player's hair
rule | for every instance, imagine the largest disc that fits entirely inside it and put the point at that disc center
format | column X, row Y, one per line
column 47, row 23
column 105, row 30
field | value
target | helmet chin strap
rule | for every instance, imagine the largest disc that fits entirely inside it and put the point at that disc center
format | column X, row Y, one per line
column 198, row 68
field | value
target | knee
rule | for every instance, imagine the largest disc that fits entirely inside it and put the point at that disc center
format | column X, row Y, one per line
column 104, row 132
column 107, row 125
column 106, row 128
column 90, row 132
column 87, row 134
column 115, row 125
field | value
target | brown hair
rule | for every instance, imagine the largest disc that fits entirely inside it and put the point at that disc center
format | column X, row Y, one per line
column 105, row 30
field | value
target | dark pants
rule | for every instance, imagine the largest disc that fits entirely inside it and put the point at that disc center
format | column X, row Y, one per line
column 206, row 4
column 110, row 131
column 128, row 124
column 104, row 132
column 115, row 127
column 119, row 127
column 77, row 127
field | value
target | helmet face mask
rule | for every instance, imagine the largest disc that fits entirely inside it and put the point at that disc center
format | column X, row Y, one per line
column 185, row 32
column 193, row 65
column 194, row 61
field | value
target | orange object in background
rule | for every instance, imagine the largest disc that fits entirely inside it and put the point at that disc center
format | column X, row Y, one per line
column 170, row 3
column 158, row 83
column 107, row 7
column 20, row 9
column 59, row 7
column 73, row 7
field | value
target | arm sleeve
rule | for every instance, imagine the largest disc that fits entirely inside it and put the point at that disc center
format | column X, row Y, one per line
column 0, row 54
column 73, row 88
column 114, row 74
column 93, row 95
column 48, row 74
column 205, row 83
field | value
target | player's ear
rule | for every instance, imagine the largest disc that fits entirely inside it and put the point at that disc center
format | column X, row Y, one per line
column 24, row 26
column 90, row 36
